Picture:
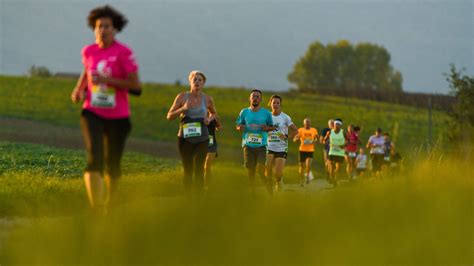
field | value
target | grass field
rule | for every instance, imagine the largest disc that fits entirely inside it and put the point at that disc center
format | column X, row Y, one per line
column 49, row 100
column 423, row 217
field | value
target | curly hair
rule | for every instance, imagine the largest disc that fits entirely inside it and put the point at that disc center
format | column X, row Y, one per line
column 118, row 19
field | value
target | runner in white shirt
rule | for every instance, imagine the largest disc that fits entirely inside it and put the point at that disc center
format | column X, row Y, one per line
column 377, row 151
column 361, row 162
column 277, row 142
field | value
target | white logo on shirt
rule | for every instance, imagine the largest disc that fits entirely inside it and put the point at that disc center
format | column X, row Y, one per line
column 102, row 68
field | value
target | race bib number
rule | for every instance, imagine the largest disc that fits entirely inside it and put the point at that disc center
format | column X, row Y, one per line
column 211, row 140
column 192, row 130
column 103, row 96
column 256, row 139
column 378, row 150
column 351, row 154
column 336, row 148
column 307, row 141
column 274, row 137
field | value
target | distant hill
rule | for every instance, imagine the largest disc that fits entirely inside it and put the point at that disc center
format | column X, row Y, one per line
column 48, row 100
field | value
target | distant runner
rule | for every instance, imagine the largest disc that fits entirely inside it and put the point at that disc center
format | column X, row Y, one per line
column 395, row 162
column 324, row 139
column 277, row 148
column 307, row 136
column 254, row 122
column 388, row 147
column 337, row 140
column 351, row 149
column 213, row 127
column 196, row 111
column 361, row 163
column 377, row 151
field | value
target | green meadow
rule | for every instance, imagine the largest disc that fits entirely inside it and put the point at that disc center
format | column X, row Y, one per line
column 422, row 215
column 48, row 100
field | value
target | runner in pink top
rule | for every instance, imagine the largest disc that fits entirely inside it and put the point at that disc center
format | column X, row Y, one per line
column 110, row 72
column 117, row 61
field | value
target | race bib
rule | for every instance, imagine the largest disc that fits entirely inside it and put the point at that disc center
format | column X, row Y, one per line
column 192, row 130
column 378, row 150
column 386, row 158
column 308, row 141
column 256, row 139
column 274, row 137
column 211, row 140
column 352, row 154
column 336, row 148
column 103, row 96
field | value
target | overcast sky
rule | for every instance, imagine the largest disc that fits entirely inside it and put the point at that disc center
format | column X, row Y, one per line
column 243, row 43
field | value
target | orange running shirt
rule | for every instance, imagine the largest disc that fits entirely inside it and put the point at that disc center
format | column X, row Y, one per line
column 307, row 136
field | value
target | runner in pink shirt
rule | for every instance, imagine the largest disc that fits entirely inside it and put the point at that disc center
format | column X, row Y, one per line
column 351, row 149
column 110, row 73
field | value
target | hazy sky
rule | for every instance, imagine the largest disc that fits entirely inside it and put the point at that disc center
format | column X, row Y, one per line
column 243, row 43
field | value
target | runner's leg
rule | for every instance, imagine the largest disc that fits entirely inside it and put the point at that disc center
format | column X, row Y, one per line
column 200, row 154
column 187, row 158
column 278, row 174
column 207, row 167
column 116, row 133
column 308, row 169
column 261, row 162
column 92, row 132
column 269, row 166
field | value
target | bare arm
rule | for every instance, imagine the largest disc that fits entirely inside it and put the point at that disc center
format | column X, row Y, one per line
column 77, row 94
column 315, row 140
column 327, row 136
column 322, row 138
column 211, row 109
column 296, row 137
column 178, row 107
column 268, row 128
column 368, row 146
column 293, row 131
column 240, row 128
column 131, row 82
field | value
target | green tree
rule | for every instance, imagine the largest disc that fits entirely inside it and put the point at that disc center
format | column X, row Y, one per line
column 462, row 87
column 342, row 66
column 462, row 126
column 39, row 71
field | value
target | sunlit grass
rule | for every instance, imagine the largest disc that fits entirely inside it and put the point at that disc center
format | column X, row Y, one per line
column 48, row 100
column 423, row 216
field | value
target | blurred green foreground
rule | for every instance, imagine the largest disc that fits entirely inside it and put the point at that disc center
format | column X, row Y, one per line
column 422, row 216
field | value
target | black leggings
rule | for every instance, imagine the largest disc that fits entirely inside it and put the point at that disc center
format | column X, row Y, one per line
column 193, row 156
column 105, row 141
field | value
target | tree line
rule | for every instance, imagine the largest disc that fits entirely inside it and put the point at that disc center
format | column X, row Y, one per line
column 346, row 67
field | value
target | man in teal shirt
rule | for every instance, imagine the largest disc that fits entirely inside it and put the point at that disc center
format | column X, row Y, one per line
column 254, row 122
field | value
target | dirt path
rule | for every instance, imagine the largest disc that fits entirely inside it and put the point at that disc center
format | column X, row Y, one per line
column 22, row 130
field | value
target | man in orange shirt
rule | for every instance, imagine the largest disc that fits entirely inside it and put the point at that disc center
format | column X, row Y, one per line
column 308, row 136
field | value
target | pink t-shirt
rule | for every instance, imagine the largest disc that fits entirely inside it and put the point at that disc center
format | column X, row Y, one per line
column 115, row 61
